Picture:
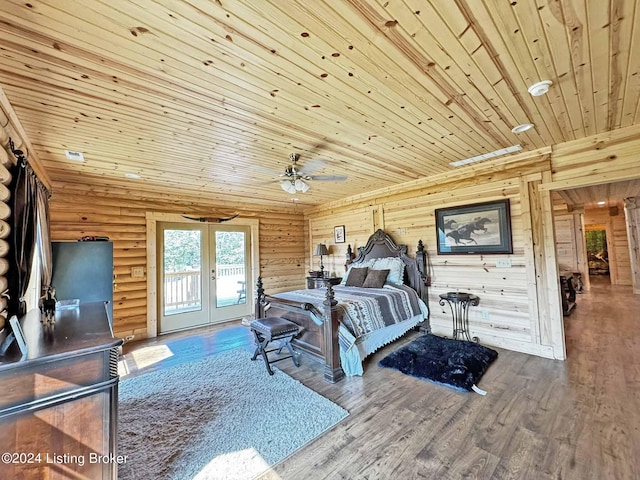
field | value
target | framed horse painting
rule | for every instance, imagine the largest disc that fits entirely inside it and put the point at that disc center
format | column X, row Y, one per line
column 474, row 229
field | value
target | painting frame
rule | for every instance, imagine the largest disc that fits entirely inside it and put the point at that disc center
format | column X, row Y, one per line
column 474, row 229
column 339, row 234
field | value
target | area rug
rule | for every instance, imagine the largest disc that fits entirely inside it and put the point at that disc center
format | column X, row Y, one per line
column 223, row 417
column 455, row 363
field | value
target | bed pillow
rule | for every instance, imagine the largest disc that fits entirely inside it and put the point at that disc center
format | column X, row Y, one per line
column 395, row 266
column 375, row 278
column 368, row 263
column 356, row 277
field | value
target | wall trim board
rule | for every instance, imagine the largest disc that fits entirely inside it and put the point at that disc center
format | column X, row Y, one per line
column 587, row 181
column 499, row 342
column 518, row 165
column 550, row 287
column 152, row 219
column 530, row 258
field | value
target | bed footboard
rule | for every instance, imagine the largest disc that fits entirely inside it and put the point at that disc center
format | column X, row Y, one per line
column 318, row 337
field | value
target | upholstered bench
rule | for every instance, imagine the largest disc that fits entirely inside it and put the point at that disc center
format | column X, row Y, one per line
column 270, row 329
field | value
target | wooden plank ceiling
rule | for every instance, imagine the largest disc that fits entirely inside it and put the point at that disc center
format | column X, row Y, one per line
column 601, row 196
column 209, row 98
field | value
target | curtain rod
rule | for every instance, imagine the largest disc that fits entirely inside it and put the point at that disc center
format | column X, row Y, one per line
column 22, row 161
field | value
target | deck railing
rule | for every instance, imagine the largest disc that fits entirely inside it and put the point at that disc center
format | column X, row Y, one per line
column 182, row 290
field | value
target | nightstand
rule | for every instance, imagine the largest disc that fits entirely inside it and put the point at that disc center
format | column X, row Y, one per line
column 319, row 282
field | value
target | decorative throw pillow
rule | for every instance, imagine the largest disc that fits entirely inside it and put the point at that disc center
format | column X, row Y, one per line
column 395, row 266
column 368, row 263
column 375, row 278
column 356, row 277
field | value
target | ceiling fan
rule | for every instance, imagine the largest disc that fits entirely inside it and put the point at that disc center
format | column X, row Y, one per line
column 294, row 176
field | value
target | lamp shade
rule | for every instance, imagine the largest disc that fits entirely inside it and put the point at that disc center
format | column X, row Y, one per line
column 304, row 188
column 288, row 186
column 301, row 186
column 321, row 249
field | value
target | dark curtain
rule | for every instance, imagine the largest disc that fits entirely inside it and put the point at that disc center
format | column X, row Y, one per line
column 44, row 237
column 24, row 227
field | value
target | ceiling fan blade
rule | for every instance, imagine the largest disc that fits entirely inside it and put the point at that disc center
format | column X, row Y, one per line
column 311, row 166
column 268, row 171
column 329, row 178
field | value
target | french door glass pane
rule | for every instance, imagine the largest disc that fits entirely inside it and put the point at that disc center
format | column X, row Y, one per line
column 231, row 278
column 182, row 260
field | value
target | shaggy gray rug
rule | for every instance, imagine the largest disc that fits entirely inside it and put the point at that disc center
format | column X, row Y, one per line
column 223, row 417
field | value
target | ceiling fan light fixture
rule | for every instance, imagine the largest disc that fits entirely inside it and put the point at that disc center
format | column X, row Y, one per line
column 540, row 88
column 288, row 186
column 523, row 127
column 301, row 186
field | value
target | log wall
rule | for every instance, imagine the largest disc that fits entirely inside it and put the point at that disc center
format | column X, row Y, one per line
column 5, row 229
column 282, row 245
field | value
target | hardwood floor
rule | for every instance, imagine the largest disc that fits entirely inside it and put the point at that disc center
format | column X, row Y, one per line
column 541, row 419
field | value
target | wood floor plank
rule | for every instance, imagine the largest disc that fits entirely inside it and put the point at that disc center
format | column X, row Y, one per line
column 541, row 418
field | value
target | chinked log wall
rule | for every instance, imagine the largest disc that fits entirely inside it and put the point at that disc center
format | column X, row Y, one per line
column 10, row 128
column 282, row 244
column 5, row 212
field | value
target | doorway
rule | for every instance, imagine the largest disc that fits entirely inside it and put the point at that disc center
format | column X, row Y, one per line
column 203, row 273
column 597, row 251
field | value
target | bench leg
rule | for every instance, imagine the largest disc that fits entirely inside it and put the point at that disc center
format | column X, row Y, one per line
column 294, row 355
column 262, row 343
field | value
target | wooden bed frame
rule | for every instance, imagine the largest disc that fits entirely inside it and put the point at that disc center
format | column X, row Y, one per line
column 320, row 342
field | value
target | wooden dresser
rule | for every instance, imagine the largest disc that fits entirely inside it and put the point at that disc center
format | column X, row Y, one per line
column 58, row 406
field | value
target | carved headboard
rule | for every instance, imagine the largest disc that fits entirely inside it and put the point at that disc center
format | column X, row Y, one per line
column 381, row 245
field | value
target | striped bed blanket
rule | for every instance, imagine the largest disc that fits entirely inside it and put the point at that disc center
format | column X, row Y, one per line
column 371, row 317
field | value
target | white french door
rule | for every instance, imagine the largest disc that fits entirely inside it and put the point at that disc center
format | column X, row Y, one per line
column 204, row 271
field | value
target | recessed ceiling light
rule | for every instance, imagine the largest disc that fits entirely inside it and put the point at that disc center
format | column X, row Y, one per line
column 486, row 156
column 132, row 175
column 523, row 127
column 75, row 156
column 540, row 88
column 601, row 203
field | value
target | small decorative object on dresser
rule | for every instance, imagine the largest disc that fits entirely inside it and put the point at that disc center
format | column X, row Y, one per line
column 339, row 234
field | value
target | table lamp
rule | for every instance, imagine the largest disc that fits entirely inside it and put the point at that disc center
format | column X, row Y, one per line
column 321, row 249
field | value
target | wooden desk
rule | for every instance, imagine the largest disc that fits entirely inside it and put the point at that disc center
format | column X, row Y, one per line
column 58, row 407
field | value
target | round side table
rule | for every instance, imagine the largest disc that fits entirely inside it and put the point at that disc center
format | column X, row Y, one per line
column 459, row 304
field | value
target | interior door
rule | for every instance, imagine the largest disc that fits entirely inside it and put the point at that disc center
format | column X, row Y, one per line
column 203, row 274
